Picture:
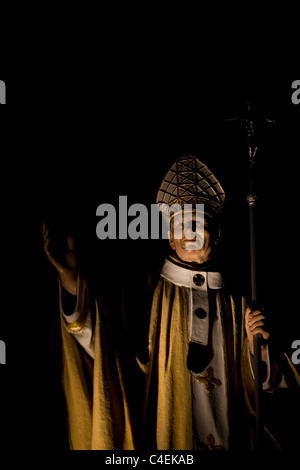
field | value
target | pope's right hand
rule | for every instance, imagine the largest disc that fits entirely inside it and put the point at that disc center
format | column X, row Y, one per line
column 68, row 273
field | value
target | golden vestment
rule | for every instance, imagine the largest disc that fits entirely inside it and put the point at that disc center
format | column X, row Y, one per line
column 120, row 401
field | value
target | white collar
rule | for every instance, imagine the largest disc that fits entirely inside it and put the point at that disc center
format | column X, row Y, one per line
column 184, row 277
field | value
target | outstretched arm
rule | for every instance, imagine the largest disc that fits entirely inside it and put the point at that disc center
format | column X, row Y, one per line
column 68, row 273
column 73, row 294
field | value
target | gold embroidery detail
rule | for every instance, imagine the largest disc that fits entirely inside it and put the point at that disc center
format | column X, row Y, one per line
column 209, row 380
column 76, row 327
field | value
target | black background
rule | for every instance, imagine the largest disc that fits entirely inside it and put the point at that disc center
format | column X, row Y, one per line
column 90, row 137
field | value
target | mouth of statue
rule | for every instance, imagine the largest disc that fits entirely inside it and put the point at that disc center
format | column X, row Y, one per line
column 192, row 245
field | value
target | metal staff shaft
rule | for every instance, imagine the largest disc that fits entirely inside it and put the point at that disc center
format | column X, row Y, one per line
column 257, row 339
column 252, row 225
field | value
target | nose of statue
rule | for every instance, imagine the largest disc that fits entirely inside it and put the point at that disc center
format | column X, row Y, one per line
column 189, row 234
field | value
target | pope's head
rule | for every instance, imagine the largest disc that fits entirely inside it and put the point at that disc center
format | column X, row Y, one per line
column 190, row 182
column 190, row 237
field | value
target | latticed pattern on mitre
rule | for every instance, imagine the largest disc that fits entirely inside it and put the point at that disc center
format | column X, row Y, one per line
column 189, row 181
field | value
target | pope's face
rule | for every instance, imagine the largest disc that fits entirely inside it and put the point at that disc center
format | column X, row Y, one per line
column 194, row 244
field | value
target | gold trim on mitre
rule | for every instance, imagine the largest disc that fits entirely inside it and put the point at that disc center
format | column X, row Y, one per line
column 189, row 181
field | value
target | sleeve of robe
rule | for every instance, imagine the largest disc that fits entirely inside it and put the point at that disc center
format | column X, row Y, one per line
column 79, row 323
column 97, row 377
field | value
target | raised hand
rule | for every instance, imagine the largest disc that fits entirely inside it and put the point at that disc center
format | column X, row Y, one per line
column 67, row 273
